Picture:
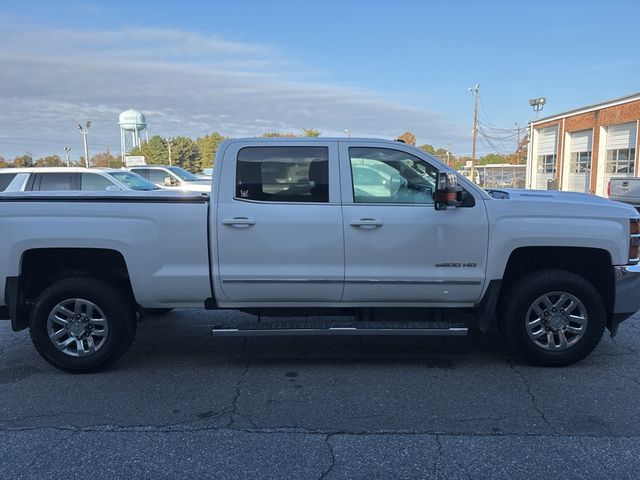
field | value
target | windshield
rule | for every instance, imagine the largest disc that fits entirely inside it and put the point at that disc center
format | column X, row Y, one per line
column 133, row 180
column 184, row 175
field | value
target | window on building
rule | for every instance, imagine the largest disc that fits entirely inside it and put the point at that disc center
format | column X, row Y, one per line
column 547, row 163
column 283, row 174
column 621, row 160
column 580, row 162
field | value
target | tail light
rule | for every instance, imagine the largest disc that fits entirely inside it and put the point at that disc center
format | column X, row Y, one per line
column 634, row 241
column 609, row 188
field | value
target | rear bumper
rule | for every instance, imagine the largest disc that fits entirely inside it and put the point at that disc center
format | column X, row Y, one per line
column 627, row 297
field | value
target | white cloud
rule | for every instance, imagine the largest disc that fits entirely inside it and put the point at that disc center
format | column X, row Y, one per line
column 186, row 83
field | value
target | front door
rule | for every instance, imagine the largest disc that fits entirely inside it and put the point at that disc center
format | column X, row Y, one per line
column 279, row 223
column 398, row 248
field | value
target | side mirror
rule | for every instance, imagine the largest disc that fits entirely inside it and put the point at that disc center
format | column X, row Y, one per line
column 168, row 181
column 113, row 188
column 446, row 195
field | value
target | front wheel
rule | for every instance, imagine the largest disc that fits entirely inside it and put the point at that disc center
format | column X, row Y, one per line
column 553, row 317
column 82, row 324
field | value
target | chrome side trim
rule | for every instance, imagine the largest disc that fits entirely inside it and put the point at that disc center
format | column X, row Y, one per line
column 416, row 282
column 280, row 280
column 363, row 281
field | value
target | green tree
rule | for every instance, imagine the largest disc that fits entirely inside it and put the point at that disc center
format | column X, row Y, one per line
column 492, row 158
column 186, row 154
column 311, row 132
column 155, row 151
column 278, row 135
column 50, row 161
column 428, row 148
column 208, row 146
column 103, row 160
column 3, row 163
column 23, row 161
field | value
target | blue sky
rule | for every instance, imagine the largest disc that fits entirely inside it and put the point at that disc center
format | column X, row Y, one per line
column 376, row 68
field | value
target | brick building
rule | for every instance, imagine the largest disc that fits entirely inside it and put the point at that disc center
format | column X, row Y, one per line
column 583, row 148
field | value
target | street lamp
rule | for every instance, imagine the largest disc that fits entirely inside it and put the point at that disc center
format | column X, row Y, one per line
column 85, row 133
column 66, row 154
column 537, row 104
column 169, row 140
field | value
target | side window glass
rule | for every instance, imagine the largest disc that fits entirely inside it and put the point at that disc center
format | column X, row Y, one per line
column 157, row 176
column 283, row 174
column 384, row 175
column 143, row 172
column 54, row 182
column 94, row 182
column 5, row 180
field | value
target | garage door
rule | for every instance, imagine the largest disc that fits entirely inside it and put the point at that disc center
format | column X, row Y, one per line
column 547, row 156
column 579, row 165
column 620, row 152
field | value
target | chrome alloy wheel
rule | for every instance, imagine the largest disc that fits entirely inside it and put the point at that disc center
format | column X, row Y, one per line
column 77, row 327
column 556, row 321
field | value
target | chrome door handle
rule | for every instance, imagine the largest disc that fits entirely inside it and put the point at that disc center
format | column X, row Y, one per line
column 366, row 223
column 239, row 222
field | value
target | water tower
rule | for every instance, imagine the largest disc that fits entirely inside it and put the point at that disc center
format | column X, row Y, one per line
column 132, row 125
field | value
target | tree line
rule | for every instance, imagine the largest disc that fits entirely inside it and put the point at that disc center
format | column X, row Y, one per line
column 196, row 155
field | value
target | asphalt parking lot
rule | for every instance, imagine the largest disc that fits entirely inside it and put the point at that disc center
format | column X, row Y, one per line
column 182, row 404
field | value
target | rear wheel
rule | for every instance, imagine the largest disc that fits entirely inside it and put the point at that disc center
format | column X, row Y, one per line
column 553, row 317
column 82, row 324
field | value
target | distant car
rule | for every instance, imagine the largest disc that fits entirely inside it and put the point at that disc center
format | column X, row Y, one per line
column 70, row 179
column 172, row 177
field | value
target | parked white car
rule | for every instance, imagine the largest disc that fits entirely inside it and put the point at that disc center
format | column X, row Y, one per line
column 47, row 179
column 172, row 177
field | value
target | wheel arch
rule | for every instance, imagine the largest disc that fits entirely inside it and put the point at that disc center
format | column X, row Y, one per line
column 594, row 264
column 41, row 267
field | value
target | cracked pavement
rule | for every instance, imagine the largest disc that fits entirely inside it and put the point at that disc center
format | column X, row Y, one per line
column 181, row 403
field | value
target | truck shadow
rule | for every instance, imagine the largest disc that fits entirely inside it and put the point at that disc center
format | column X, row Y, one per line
column 168, row 339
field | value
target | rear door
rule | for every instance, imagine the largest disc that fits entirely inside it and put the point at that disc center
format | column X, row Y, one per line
column 398, row 248
column 279, row 223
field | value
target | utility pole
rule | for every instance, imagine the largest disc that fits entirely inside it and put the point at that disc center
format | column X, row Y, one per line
column 475, row 91
column 518, row 145
column 66, row 154
column 169, row 140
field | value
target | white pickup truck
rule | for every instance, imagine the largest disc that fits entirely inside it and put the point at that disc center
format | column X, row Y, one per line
column 374, row 231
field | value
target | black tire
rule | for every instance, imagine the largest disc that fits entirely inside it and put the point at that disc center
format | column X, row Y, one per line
column 119, row 312
column 524, row 294
column 156, row 312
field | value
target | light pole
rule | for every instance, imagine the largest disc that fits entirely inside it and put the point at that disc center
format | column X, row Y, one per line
column 66, row 154
column 537, row 104
column 169, row 140
column 85, row 133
